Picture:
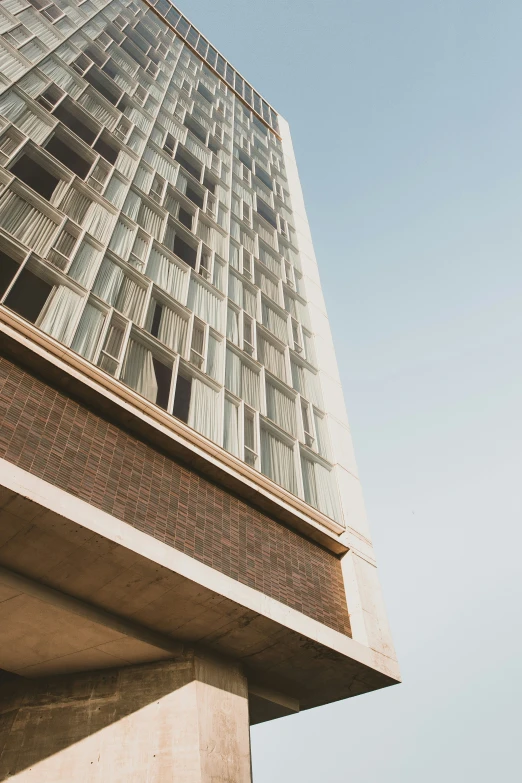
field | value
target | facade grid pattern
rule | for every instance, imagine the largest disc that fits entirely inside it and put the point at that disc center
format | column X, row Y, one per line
column 146, row 223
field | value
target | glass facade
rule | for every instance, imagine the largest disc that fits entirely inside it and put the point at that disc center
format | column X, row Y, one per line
column 146, row 223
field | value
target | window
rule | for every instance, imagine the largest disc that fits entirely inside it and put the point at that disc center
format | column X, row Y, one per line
column 197, row 347
column 76, row 120
column 188, row 163
column 280, row 408
column 248, row 334
column 28, row 295
column 35, row 175
column 250, row 440
column 266, row 212
column 182, row 397
column 8, row 269
column 62, row 149
column 307, row 423
column 146, row 374
column 277, row 460
column 264, row 176
column 196, row 128
column 319, row 487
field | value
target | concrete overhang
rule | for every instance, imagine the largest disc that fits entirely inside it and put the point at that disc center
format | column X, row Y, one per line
column 82, row 590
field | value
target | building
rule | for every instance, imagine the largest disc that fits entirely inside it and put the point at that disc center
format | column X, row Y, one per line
column 183, row 544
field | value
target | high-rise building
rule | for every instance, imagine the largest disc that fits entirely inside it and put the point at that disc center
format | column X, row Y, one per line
column 183, row 544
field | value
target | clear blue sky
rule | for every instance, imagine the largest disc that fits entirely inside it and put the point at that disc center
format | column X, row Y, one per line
column 406, row 119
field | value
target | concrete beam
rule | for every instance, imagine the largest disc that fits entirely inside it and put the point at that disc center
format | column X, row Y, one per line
column 183, row 720
column 65, row 544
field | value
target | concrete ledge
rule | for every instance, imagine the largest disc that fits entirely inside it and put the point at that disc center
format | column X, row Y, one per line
column 63, row 543
column 28, row 346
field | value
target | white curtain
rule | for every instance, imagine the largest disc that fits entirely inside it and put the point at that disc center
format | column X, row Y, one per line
column 271, row 357
column 214, row 357
column 99, row 222
column 95, row 107
column 211, row 237
column 32, row 83
column 319, row 488
column 122, row 239
column 132, row 205
column 306, row 383
column 242, row 191
column 231, row 431
column 33, row 125
column 26, row 223
column 249, row 301
column 115, row 191
column 88, row 332
column 205, row 304
column 11, row 65
column 143, row 178
column 108, row 281
column 267, row 286
column 140, row 247
column 204, row 411
column 11, row 105
column 59, row 318
column 234, row 255
column 138, row 371
column 321, row 431
column 172, row 330
column 163, row 165
column 198, row 151
column 131, row 297
column 166, row 274
column 270, row 260
column 235, row 230
column 281, row 409
column 241, row 380
column 291, row 306
column 274, row 322
column 85, row 264
column 233, row 373
column 235, row 289
column 150, row 220
column 267, row 235
column 250, row 386
column 75, row 204
column 63, row 78
column 125, row 164
column 277, row 461
column 309, row 347
column 247, row 241
column 233, row 326
column 218, row 275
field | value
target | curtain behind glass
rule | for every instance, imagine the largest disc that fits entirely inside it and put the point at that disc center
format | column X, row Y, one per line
column 88, row 332
column 277, row 461
column 231, row 432
column 281, row 409
column 203, row 411
column 59, row 318
column 166, row 274
column 138, row 371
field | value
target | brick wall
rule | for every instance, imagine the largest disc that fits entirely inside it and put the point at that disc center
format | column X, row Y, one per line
column 55, row 438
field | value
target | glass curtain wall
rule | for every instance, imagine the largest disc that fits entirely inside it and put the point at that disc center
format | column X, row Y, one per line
column 146, row 223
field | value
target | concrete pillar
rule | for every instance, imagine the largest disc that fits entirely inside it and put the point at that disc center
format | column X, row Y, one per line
column 184, row 720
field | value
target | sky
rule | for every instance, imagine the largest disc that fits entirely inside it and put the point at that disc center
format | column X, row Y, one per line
column 407, row 129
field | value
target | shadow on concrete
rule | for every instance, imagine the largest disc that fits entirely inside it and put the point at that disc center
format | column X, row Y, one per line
column 39, row 718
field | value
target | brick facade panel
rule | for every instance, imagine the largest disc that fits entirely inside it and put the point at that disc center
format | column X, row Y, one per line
column 55, row 438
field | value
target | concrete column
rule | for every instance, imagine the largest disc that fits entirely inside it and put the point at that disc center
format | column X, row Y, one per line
column 184, row 720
